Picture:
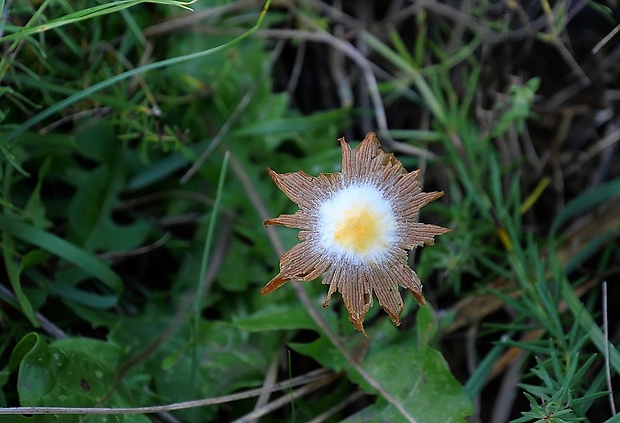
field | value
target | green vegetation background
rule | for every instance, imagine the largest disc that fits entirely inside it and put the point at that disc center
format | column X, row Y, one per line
column 134, row 138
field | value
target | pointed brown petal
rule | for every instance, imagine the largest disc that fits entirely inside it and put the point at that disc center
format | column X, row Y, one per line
column 424, row 198
column 358, row 162
column 299, row 219
column 274, row 284
column 354, row 286
column 387, row 293
column 407, row 278
column 302, row 263
column 407, row 187
column 364, row 154
column 376, row 172
column 331, row 278
column 418, row 234
column 408, row 196
column 381, row 176
column 419, row 298
column 392, row 168
column 327, row 184
column 370, row 145
column 389, row 161
column 375, row 165
column 300, row 187
column 410, row 208
column 347, row 157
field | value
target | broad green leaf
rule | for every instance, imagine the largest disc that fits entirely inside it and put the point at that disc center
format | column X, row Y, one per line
column 324, row 352
column 23, row 347
column 409, row 370
column 91, row 207
column 291, row 316
column 419, row 378
column 290, row 125
column 229, row 278
column 614, row 419
column 71, row 372
column 426, row 324
column 228, row 358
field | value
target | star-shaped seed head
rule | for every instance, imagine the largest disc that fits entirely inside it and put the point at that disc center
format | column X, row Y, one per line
column 356, row 228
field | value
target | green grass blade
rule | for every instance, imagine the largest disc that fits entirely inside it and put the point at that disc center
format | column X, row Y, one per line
column 61, row 105
column 209, row 239
column 478, row 379
column 589, row 325
column 614, row 419
column 200, row 289
column 14, row 272
column 58, row 246
column 424, row 89
column 586, row 201
column 85, row 14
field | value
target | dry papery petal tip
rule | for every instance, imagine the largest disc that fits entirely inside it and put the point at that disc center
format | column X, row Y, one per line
column 357, row 227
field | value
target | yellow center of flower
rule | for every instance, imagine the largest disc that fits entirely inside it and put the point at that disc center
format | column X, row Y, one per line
column 359, row 230
column 357, row 224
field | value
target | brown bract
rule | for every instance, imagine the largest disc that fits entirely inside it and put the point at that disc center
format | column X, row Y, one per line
column 356, row 228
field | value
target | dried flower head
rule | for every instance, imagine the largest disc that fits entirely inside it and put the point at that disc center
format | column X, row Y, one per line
column 357, row 227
